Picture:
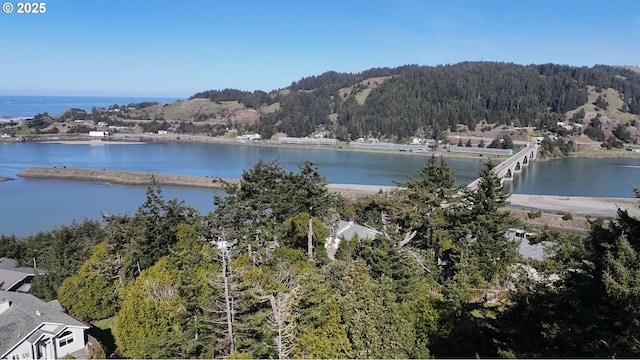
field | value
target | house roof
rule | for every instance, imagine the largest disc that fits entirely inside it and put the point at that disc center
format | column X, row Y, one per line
column 533, row 251
column 10, row 274
column 26, row 315
column 346, row 230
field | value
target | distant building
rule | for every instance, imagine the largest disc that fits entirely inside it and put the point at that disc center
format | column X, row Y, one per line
column 162, row 132
column 307, row 141
column 99, row 133
column 378, row 145
column 114, row 127
column 321, row 134
column 33, row 329
column 477, row 150
column 14, row 278
column 346, row 230
column 249, row 137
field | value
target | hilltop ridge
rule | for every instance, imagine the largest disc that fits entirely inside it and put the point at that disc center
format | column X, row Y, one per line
column 584, row 105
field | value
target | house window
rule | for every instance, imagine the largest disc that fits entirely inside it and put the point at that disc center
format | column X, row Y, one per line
column 66, row 338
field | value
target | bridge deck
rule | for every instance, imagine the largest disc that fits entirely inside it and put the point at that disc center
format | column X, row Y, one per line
column 507, row 164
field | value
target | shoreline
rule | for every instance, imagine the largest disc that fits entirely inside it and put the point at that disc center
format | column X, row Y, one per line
column 576, row 205
column 143, row 138
column 127, row 138
column 580, row 206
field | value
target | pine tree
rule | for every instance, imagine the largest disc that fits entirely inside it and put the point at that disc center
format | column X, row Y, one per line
column 267, row 196
column 482, row 226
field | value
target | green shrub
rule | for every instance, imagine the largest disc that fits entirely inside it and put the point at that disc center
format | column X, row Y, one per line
column 534, row 214
column 565, row 215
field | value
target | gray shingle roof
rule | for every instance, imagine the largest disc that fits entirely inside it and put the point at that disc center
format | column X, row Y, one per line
column 25, row 314
column 10, row 274
column 533, row 251
column 346, row 230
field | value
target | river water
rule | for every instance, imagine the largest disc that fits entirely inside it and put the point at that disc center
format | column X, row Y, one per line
column 31, row 205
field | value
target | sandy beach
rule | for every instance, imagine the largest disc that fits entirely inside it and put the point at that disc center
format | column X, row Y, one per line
column 577, row 205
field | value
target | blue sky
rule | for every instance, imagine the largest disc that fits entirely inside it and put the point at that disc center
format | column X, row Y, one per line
column 179, row 47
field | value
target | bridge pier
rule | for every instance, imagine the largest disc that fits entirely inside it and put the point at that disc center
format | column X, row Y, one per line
column 517, row 168
column 513, row 165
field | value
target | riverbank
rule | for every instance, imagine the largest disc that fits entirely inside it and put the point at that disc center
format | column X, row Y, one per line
column 140, row 138
column 578, row 206
column 131, row 138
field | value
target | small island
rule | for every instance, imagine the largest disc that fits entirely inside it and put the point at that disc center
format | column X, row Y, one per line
column 123, row 177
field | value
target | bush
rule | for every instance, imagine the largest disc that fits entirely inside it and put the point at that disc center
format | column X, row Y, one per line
column 565, row 215
column 534, row 214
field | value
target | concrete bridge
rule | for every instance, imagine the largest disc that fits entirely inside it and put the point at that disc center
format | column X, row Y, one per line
column 513, row 165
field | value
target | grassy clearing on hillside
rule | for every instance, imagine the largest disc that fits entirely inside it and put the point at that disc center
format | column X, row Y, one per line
column 23, row 130
column 632, row 68
column 189, row 109
column 271, row 108
column 602, row 153
column 615, row 101
column 370, row 83
column 362, row 96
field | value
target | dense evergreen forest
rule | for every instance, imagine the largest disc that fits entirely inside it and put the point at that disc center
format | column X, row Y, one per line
column 253, row 279
column 424, row 100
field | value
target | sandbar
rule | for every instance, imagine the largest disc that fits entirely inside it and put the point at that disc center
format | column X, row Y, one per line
column 576, row 205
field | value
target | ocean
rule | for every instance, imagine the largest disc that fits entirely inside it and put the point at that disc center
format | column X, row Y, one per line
column 20, row 106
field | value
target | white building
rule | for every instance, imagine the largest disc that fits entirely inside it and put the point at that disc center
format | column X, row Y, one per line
column 307, row 141
column 99, row 133
column 249, row 137
column 33, row 329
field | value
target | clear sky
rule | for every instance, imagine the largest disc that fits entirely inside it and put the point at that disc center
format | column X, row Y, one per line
column 179, row 47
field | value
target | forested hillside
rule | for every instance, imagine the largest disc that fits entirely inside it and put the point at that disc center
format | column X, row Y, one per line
column 412, row 99
column 585, row 105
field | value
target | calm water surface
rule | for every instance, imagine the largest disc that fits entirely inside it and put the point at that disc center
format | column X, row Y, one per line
column 31, row 205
